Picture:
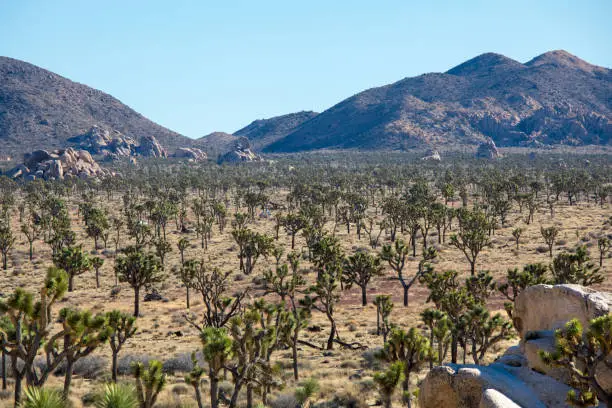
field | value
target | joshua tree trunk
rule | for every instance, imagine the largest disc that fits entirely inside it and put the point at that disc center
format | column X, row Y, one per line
column 364, row 296
column 136, row 301
column 295, row 357
column 332, row 333
column 214, row 390
column 68, row 377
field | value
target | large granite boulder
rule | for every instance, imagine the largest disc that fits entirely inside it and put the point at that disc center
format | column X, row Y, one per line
column 150, row 147
column 488, row 150
column 240, row 152
column 541, row 309
column 190, row 153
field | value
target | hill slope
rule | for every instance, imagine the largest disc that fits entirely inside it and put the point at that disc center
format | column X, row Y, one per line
column 555, row 98
column 263, row 132
column 41, row 110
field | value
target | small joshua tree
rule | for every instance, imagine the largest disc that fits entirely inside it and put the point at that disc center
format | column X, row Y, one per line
column 74, row 261
column 359, row 269
column 580, row 353
column 149, row 382
column 412, row 350
column 517, row 281
column 194, row 378
column 576, row 268
column 516, row 235
column 473, row 235
column 384, row 306
column 603, row 244
column 97, row 263
column 139, row 270
column 388, row 381
column 550, row 235
column 122, row 327
column 7, row 240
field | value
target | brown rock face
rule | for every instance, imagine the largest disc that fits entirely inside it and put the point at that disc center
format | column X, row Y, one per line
column 241, row 152
column 190, row 153
column 150, row 147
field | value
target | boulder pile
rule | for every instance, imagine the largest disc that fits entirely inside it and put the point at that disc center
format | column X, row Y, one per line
column 240, row 152
column 488, row 150
column 114, row 145
column 192, row 154
column 57, row 165
column 519, row 378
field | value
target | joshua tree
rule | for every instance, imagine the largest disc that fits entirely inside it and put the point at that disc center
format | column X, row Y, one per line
column 517, row 281
column 304, row 393
column 186, row 273
column 182, row 245
column 162, row 248
column 251, row 245
column 410, row 348
column 576, row 268
column 194, row 378
column 31, row 322
column 396, row 256
column 603, row 244
column 81, row 333
column 388, row 381
column 359, row 269
column 217, row 353
column 122, row 327
column 6, row 242
column 32, row 232
column 212, row 284
column 384, row 306
column 74, row 261
column 97, row 263
column 580, row 353
column 473, row 236
column 96, row 225
column 516, row 234
column 483, row 330
column 149, row 382
column 293, row 223
column 439, row 333
column 550, row 235
column 138, row 270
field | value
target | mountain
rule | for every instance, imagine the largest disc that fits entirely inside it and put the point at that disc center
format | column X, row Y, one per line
column 42, row 110
column 263, row 132
column 556, row 98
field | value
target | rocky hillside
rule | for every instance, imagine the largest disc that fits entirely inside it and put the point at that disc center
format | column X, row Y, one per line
column 216, row 143
column 42, row 110
column 263, row 132
column 556, row 98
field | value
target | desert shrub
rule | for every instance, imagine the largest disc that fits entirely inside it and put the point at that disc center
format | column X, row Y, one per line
column 542, row 249
column 89, row 367
column 284, row 401
column 370, row 360
column 180, row 389
column 124, row 365
column 181, row 363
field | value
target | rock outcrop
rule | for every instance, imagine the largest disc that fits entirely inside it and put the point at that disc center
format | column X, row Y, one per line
column 150, row 147
column 432, row 155
column 519, row 378
column 241, row 152
column 488, row 150
column 57, row 165
column 114, row 145
column 190, row 153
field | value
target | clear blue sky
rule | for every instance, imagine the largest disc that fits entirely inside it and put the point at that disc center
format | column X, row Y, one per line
column 199, row 66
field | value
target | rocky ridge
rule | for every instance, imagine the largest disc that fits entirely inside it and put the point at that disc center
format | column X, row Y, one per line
column 57, row 165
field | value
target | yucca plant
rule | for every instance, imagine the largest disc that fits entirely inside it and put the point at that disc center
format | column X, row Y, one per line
column 117, row 396
column 42, row 398
column 306, row 392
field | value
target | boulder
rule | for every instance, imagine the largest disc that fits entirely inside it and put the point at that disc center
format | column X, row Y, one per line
column 150, row 147
column 488, row 150
column 37, row 156
column 18, row 171
column 432, row 155
column 546, row 307
column 492, row 398
column 56, row 170
column 190, row 153
column 541, row 309
column 241, row 152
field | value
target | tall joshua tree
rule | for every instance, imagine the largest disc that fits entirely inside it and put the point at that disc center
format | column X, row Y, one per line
column 359, row 269
column 139, row 270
